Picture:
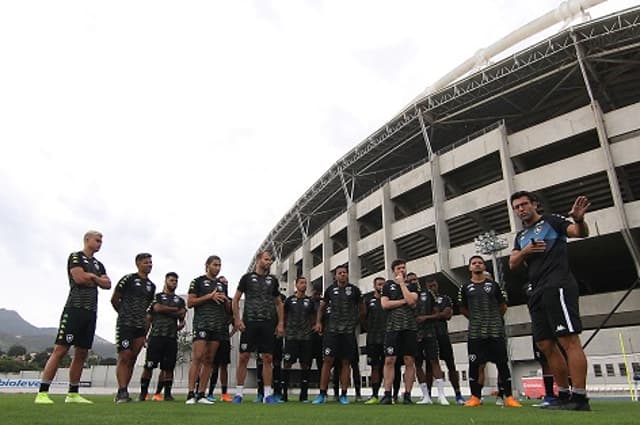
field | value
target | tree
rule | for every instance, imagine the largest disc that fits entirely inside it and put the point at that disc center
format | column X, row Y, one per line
column 108, row 361
column 9, row 365
column 16, row 350
column 39, row 360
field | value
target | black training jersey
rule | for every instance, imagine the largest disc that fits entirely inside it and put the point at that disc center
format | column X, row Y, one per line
column 210, row 315
column 137, row 294
column 376, row 318
column 442, row 302
column 425, row 307
column 165, row 324
column 401, row 318
column 299, row 314
column 483, row 302
column 80, row 296
column 343, row 308
column 551, row 267
column 259, row 293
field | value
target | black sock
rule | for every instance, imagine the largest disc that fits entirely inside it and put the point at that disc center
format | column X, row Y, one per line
column 159, row 387
column 73, row 388
column 564, row 395
column 375, row 387
column 323, row 392
column 201, row 395
column 548, row 385
column 578, row 397
column 387, row 394
column 44, row 387
column 343, row 393
column 224, row 389
column 213, row 381
column 191, row 395
column 458, row 393
column 476, row 389
column 167, row 387
column 144, row 386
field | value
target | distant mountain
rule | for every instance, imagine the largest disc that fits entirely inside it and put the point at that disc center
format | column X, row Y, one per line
column 17, row 331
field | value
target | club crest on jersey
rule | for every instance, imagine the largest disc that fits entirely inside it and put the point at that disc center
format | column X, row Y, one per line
column 538, row 229
column 327, row 351
column 124, row 343
column 306, row 303
column 439, row 300
column 423, row 297
column 149, row 287
column 348, row 291
column 150, row 364
column 389, row 350
column 69, row 338
column 472, row 357
column 175, row 298
column 287, row 357
column 488, row 287
column 202, row 334
column 244, row 346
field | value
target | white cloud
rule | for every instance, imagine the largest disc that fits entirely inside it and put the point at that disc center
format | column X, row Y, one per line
column 190, row 128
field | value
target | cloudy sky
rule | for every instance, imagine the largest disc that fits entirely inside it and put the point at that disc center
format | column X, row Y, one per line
column 186, row 128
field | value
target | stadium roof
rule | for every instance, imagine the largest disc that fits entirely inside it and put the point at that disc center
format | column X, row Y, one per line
column 528, row 87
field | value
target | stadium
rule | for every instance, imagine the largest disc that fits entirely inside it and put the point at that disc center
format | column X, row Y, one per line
column 560, row 118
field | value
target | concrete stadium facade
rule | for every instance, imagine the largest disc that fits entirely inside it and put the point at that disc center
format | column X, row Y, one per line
column 560, row 118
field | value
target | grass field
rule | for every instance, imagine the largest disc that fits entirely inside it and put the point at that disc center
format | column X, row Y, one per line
column 19, row 409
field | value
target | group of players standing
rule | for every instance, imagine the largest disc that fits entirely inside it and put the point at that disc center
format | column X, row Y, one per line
column 405, row 323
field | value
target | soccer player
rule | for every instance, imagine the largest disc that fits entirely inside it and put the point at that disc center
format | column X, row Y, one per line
column 258, row 323
column 483, row 302
column 399, row 298
column 426, row 316
column 445, row 350
column 208, row 297
column 373, row 322
column 166, row 318
column 131, row 298
column 343, row 300
column 541, row 246
column 299, row 318
column 221, row 363
column 78, row 322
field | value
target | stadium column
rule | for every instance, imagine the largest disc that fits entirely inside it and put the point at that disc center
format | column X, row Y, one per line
column 291, row 272
column 327, row 253
column 442, row 229
column 353, row 236
column 508, row 174
column 605, row 146
column 307, row 258
column 390, row 250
